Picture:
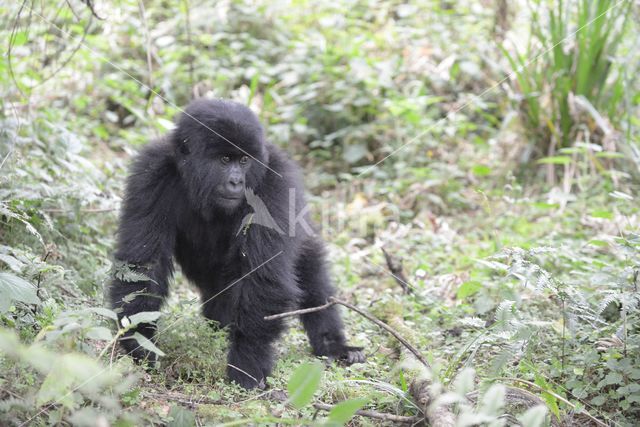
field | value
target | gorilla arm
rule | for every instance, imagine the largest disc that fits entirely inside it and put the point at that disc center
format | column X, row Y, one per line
column 145, row 242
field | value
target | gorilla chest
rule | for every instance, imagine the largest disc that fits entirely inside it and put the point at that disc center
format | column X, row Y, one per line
column 205, row 252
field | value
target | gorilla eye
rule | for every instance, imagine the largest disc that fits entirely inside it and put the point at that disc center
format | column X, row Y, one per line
column 225, row 159
column 244, row 160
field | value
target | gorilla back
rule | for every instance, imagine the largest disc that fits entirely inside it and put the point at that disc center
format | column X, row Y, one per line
column 229, row 207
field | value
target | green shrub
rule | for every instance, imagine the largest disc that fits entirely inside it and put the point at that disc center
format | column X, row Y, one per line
column 570, row 53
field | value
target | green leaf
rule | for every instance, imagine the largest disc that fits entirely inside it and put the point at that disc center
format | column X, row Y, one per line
column 99, row 333
column 534, row 417
column 555, row 160
column 19, row 38
column 303, row 384
column 468, row 288
column 71, row 373
column 13, row 288
column 344, row 411
column 464, row 381
column 144, row 317
column 601, row 213
column 403, row 381
column 613, row 378
column 354, row 153
column 147, row 344
column 481, row 170
column 551, row 401
column 181, row 417
column 13, row 263
column 493, row 400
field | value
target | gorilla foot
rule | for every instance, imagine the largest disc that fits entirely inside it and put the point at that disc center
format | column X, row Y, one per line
column 351, row 355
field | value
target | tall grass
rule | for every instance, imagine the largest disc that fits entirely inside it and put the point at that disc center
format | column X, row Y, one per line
column 576, row 42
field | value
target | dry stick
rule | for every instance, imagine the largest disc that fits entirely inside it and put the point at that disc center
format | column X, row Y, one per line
column 283, row 398
column 301, row 311
column 373, row 414
column 333, row 301
column 395, row 267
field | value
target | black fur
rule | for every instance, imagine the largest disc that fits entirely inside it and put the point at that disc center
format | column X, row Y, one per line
column 175, row 207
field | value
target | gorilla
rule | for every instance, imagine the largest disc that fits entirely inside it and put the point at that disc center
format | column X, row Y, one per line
column 229, row 207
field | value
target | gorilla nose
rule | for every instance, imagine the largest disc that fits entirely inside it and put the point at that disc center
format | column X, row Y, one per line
column 235, row 185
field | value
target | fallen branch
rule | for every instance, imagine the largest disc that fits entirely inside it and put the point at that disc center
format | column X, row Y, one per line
column 281, row 396
column 333, row 301
column 377, row 415
column 438, row 416
column 188, row 401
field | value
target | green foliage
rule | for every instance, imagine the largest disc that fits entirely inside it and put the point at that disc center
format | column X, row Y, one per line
column 571, row 53
column 74, row 381
column 508, row 282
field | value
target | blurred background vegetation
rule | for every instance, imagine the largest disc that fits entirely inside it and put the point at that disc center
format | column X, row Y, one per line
column 492, row 148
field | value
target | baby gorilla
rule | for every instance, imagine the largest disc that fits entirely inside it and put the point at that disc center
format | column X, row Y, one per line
column 229, row 206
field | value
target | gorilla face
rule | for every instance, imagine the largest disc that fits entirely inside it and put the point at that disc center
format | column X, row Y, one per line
column 221, row 151
column 229, row 193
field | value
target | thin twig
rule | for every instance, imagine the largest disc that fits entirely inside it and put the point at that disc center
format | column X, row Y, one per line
column 12, row 37
column 395, row 267
column 386, row 327
column 373, row 414
column 89, row 4
column 147, row 37
column 298, row 312
column 189, row 42
column 6, row 157
column 333, row 300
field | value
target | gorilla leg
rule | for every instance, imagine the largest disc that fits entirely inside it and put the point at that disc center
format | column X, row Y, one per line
column 251, row 354
column 324, row 328
column 217, row 306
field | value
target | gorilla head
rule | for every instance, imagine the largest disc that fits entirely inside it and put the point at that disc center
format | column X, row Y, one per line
column 220, row 148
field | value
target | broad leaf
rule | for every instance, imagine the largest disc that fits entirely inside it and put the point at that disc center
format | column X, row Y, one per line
column 147, row 344
column 303, row 384
column 344, row 411
column 181, row 417
column 13, row 288
column 144, row 317
column 99, row 333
